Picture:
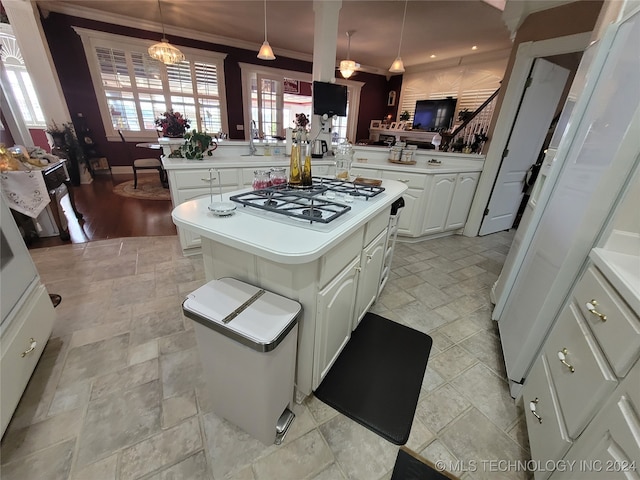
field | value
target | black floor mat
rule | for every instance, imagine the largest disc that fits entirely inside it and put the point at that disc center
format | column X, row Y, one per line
column 376, row 379
column 410, row 466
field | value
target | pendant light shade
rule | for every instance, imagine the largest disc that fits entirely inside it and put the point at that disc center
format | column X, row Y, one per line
column 164, row 51
column 266, row 53
column 348, row 66
column 397, row 66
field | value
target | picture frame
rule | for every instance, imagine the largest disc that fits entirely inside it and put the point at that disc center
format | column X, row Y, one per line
column 401, row 125
column 393, row 125
column 391, row 99
column 375, row 124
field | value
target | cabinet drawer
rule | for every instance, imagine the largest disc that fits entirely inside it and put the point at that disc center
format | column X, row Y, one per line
column 33, row 321
column 412, row 180
column 619, row 334
column 200, row 178
column 580, row 373
column 548, row 438
column 333, row 262
column 376, row 225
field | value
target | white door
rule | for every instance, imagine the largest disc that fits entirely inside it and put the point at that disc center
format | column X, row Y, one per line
column 535, row 114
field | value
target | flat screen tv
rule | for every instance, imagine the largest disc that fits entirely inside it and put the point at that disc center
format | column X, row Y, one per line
column 434, row 115
column 330, row 99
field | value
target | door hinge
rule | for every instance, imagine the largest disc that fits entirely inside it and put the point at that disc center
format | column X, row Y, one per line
column 505, row 153
column 528, row 82
column 486, row 212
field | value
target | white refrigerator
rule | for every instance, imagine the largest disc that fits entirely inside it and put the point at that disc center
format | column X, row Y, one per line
column 595, row 158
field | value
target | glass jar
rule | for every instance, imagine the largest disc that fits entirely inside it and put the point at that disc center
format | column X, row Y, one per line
column 344, row 157
column 278, row 176
column 261, row 179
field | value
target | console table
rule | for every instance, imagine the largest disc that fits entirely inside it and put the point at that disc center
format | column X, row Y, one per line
column 54, row 176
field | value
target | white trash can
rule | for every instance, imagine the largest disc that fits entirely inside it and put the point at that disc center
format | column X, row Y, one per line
column 247, row 339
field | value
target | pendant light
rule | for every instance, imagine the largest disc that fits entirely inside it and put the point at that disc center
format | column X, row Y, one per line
column 265, row 52
column 348, row 66
column 164, row 51
column 397, row 66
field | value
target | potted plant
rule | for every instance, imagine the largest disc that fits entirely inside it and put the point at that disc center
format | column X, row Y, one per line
column 66, row 145
column 196, row 146
column 405, row 116
column 172, row 124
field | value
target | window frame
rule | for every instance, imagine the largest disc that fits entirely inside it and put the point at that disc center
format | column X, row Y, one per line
column 92, row 39
column 354, row 89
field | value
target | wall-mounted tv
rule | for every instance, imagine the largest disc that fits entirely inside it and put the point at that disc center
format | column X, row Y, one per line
column 434, row 115
column 330, row 99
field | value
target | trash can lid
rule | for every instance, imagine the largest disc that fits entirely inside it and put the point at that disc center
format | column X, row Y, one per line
column 246, row 313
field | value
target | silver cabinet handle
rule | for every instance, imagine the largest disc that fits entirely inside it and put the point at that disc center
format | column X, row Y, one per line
column 403, row 181
column 591, row 306
column 532, row 406
column 32, row 347
column 358, row 268
column 562, row 355
column 369, row 257
column 208, row 180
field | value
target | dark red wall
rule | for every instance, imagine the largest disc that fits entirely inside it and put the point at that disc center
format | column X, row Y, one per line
column 73, row 71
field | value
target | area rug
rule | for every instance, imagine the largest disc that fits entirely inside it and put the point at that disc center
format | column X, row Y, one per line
column 411, row 466
column 149, row 188
column 376, row 379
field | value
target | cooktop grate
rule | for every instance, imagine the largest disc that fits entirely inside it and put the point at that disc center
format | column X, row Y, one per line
column 292, row 203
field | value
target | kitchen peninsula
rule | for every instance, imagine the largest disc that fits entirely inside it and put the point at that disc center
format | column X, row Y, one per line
column 335, row 270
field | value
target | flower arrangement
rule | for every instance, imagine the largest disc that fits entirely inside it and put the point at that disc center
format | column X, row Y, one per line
column 172, row 124
column 301, row 121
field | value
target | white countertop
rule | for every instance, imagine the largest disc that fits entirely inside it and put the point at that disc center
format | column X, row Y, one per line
column 279, row 238
column 620, row 262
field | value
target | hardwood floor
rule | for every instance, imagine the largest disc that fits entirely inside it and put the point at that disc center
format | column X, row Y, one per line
column 107, row 215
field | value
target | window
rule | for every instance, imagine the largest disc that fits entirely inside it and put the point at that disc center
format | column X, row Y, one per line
column 284, row 93
column 19, row 81
column 133, row 89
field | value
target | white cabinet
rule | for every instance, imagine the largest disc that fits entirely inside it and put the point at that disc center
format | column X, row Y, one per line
column 448, row 201
column 335, row 308
column 371, row 263
column 21, row 345
column 409, row 223
column 466, row 184
column 441, row 188
column 188, row 184
column 582, row 396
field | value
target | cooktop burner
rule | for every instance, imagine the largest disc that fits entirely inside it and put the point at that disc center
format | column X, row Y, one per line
column 310, row 204
column 294, row 204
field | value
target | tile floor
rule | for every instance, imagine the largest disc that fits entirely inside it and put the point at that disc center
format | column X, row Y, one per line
column 119, row 391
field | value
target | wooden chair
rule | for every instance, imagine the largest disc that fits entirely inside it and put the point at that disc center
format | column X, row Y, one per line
column 146, row 164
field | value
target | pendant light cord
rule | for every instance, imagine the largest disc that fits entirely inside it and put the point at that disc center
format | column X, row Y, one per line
column 265, row 20
column 404, row 16
column 161, row 20
column 349, row 46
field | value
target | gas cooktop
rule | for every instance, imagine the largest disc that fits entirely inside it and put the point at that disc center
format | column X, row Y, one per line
column 312, row 204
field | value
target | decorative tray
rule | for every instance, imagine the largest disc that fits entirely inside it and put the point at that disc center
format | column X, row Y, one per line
column 412, row 162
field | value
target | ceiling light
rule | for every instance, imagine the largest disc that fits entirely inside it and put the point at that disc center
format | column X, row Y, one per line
column 475, row 47
column 432, row 56
column 348, row 66
column 164, row 51
column 265, row 52
column 397, row 66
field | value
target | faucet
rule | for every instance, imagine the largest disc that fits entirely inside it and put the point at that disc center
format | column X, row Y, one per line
column 252, row 147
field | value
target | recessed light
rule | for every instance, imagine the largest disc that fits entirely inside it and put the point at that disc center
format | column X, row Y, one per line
column 475, row 47
column 433, row 56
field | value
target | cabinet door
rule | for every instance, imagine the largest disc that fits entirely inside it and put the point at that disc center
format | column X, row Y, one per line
column 334, row 318
column 610, row 446
column 439, row 200
column 370, row 271
column 548, row 438
column 462, row 197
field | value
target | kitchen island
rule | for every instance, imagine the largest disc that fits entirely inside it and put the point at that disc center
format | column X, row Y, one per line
column 335, row 270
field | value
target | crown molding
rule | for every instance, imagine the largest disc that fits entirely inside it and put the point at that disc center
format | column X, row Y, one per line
column 484, row 57
column 65, row 8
